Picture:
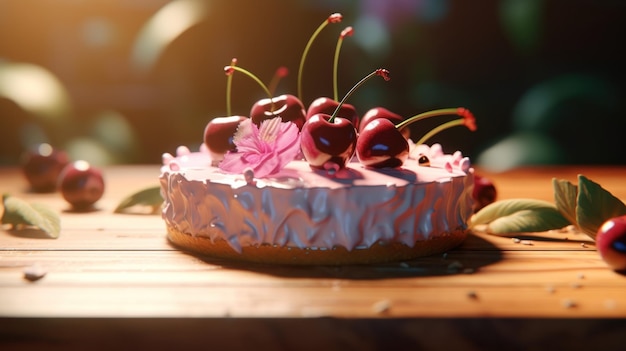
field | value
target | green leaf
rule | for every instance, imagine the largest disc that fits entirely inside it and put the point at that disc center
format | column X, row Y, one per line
column 150, row 197
column 20, row 212
column 507, row 207
column 595, row 206
column 531, row 220
column 519, row 215
column 565, row 198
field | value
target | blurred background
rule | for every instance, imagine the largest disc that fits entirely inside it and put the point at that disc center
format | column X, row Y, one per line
column 116, row 81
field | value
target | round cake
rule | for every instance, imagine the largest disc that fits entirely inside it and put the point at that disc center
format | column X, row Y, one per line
column 301, row 215
column 321, row 185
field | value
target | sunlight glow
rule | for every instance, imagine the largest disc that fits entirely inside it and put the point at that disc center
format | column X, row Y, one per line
column 35, row 90
column 164, row 27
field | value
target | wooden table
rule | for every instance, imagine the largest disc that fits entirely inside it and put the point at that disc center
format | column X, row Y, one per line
column 112, row 277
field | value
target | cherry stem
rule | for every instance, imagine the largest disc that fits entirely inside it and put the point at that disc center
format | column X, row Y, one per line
column 424, row 115
column 229, row 84
column 450, row 124
column 229, row 71
column 281, row 72
column 379, row 72
column 468, row 120
column 346, row 32
column 334, row 18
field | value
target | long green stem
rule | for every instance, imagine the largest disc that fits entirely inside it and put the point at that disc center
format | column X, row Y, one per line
column 450, row 124
column 424, row 115
column 334, row 18
column 379, row 72
column 255, row 78
column 229, row 84
column 346, row 32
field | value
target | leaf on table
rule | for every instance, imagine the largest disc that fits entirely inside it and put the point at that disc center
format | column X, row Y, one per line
column 19, row 212
column 595, row 205
column 507, row 207
column 519, row 215
column 149, row 197
column 565, row 198
column 531, row 220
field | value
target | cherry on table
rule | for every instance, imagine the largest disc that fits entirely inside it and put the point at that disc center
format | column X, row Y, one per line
column 81, row 185
column 484, row 192
column 42, row 165
column 611, row 243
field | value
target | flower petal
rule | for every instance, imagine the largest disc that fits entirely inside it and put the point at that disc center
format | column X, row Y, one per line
column 266, row 149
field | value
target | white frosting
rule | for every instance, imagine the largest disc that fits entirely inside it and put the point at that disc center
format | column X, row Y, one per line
column 298, row 207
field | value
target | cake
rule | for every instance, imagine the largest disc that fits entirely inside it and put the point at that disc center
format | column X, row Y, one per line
column 290, row 186
column 304, row 216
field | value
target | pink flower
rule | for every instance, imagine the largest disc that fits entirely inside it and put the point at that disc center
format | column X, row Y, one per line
column 265, row 149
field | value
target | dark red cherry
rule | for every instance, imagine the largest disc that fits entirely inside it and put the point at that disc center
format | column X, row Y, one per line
column 327, row 106
column 611, row 243
column 381, row 145
column 81, row 184
column 381, row 112
column 42, row 165
column 287, row 106
column 484, row 192
column 328, row 142
column 219, row 132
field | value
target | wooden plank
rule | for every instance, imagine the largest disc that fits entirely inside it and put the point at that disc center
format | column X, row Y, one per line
column 512, row 268
column 161, row 284
column 348, row 302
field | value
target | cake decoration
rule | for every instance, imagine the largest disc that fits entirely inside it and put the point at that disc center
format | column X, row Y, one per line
column 264, row 150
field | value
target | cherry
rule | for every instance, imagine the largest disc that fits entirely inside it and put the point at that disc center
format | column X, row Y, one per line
column 381, row 112
column 333, row 18
column 329, row 141
column 328, row 106
column 288, row 107
column 42, row 166
column 484, row 192
column 81, row 185
column 219, row 133
column 380, row 147
column 611, row 243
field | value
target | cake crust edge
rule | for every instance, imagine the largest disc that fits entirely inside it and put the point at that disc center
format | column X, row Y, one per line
column 272, row 254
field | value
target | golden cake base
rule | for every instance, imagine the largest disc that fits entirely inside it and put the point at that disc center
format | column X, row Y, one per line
column 377, row 253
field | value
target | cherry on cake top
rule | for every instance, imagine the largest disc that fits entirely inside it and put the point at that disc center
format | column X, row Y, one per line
column 331, row 132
